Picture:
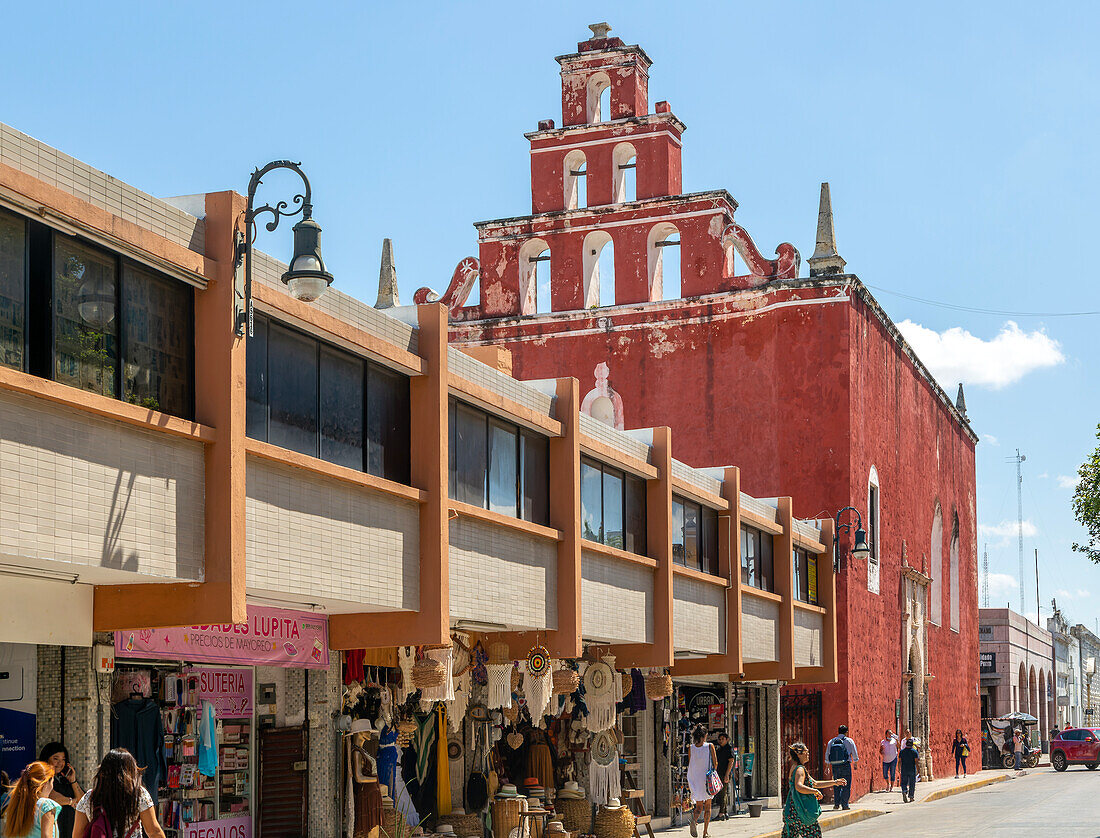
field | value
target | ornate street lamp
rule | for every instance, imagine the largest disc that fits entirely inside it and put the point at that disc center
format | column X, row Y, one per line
column 859, row 550
column 306, row 278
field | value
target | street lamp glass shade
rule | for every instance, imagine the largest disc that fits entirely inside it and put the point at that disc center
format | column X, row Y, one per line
column 307, row 279
column 95, row 300
column 860, row 550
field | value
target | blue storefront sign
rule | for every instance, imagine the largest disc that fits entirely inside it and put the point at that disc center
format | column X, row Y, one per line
column 18, row 700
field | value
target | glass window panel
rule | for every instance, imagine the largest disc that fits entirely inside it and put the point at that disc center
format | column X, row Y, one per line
column 678, row 550
column 766, row 579
column 342, row 408
column 749, row 544
column 635, row 516
column 811, row 578
column 85, row 292
column 503, row 469
column 452, row 447
column 709, row 553
column 796, row 563
column 692, row 514
column 159, row 341
column 13, row 290
column 536, row 478
column 292, row 394
column 472, row 456
column 613, row 509
column 256, row 382
column 591, row 501
column 388, row 424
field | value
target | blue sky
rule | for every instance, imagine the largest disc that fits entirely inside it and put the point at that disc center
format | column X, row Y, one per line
column 959, row 140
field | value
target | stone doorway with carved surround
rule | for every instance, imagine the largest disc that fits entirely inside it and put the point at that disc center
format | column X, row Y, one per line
column 915, row 676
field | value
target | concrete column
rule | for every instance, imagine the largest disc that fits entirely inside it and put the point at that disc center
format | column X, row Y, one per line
column 770, row 748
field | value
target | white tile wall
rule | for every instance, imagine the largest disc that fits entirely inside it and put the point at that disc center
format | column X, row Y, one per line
column 501, row 575
column 616, row 600
column 316, row 538
column 267, row 270
column 59, row 170
column 761, row 508
column 472, row 370
column 696, row 478
column 698, row 616
column 615, row 439
column 93, row 492
column 807, row 638
column 759, row 628
column 807, row 529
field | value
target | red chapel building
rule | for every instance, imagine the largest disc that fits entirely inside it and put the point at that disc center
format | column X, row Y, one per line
column 802, row 381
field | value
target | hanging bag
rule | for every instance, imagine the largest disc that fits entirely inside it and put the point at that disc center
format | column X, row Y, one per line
column 477, row 787
column 714, row 782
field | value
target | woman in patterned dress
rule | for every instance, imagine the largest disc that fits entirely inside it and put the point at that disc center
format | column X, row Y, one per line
column 802, row 809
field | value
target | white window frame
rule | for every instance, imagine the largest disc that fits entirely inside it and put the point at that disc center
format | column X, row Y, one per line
column 874, row 513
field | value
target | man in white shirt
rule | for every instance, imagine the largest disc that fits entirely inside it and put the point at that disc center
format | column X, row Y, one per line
column 888, row 747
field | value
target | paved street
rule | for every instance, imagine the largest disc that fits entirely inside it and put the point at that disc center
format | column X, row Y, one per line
column 1042, row 803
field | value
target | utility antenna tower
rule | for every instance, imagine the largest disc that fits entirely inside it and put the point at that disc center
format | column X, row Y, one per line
column 985, row 578
column 1019, row 459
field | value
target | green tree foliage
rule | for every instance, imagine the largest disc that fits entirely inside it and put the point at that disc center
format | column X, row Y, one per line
column 1086, row 503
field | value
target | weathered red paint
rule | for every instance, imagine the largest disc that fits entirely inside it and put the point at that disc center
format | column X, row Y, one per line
column 803, row 384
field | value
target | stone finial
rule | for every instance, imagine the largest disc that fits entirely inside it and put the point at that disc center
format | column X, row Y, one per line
column 825, row 260
column 599, row 30
column 960, row 403
column 387, row 278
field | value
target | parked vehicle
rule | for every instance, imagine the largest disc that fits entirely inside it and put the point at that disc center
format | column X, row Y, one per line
column 1076, row 746
column 1000, row 739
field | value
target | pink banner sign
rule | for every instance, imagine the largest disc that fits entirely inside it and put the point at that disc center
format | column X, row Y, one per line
column 271, row 637
column 238, row 827
column 229, row 690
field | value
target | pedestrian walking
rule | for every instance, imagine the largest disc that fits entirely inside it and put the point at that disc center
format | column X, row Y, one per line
column 30, row 812
column 888, row 748
column 702, row 759
column 66, row 788
column 725, row 768
column 803, row 807
column 1018, row 747
column 119, row 799
column 907, row 758
column 960, row 749
column 842, row 756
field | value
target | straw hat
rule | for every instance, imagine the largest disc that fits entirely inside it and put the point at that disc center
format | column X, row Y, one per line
column 555, row 828
column 508, row 790
column 444, row 829
column 613, row 803
column 361, row 726
column 599, row 680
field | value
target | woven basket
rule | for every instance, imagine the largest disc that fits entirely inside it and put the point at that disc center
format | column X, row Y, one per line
column 467, row 826
column 614, row 823
column 505, row 814
column 658, row 685
column 428, row 673
column 565, row 681
column 394, row 824
column 576, row 815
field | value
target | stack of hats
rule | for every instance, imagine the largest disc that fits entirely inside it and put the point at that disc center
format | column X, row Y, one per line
column 533, row 789
column 508, row 790
column 575, row 811
column 571, row 791
column 534, row 805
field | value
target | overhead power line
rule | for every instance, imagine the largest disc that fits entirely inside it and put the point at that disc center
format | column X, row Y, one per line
column 993, row 311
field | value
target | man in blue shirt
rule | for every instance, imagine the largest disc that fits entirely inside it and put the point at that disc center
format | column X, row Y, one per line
column 841, row 755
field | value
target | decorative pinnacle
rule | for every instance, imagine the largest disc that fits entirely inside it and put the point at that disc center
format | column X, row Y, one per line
column 960, row 403
column 387, row 278
column 599, row 30
column 825, row 259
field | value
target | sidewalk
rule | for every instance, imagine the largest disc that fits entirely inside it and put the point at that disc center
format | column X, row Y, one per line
column 770, row 822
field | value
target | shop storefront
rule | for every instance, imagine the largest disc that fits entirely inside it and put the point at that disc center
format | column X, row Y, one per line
column 188, row 704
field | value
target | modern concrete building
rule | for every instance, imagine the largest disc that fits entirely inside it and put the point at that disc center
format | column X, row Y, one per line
column 1089, row 649
column 1017, row 667
column 343, row 480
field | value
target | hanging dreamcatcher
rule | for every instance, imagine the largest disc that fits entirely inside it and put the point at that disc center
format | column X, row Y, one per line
column 601, row 687
column 603, row 768
column 538, row 686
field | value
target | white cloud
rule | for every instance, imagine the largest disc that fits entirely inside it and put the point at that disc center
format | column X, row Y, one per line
column 1044, row 476
column 1002, row 586
column 955, row 354
column 1007, row 529
column 1081, row 593
column 992, row 440
column 1067, row 481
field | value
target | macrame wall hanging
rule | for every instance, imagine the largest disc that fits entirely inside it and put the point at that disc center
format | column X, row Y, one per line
column 603, row 768
column 601, row 687
column 538, row 685
column 499, row 672
column 463, row 668
column 406, row 659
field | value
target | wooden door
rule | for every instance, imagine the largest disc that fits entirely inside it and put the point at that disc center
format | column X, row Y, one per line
column 284, row 783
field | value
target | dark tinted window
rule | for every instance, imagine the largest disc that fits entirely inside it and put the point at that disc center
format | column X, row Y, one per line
column 342, row 408
column 85, row 293
column 157, row 320
column 756, row 559
column 292, row 391
column 805, row 576
column 471, row 456
column 388, row 424
column 635, row 515
column 13, row 290
column 503, row 468
column 612, row 507
column 256, row 384
column 678, row 549
column 536, row 478
column 708, row 557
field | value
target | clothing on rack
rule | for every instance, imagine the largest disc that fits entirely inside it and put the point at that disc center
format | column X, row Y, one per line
column 139, row 730
column 208, row 740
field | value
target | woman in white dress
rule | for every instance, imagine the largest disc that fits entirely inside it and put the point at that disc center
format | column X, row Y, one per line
column 701, row 759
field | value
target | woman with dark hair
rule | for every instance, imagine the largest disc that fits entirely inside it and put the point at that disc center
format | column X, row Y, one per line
column 803, row 807
column 960, row 749
column 119, row 797
column 30, row 813
column 66, row 788
column 701, row 760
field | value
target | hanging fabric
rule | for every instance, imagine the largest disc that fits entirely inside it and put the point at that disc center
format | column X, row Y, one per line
column 537, row 689
column 603, row 769
column 456, row 710
column 424, row 739
column 601, row 686
column 442, row 766
column 406, row 659
column 500, row 685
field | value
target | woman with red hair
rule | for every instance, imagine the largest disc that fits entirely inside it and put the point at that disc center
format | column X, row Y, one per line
column 30, row 812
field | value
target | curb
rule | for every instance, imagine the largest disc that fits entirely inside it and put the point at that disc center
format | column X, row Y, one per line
column 833, row 821
column 977, row 784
